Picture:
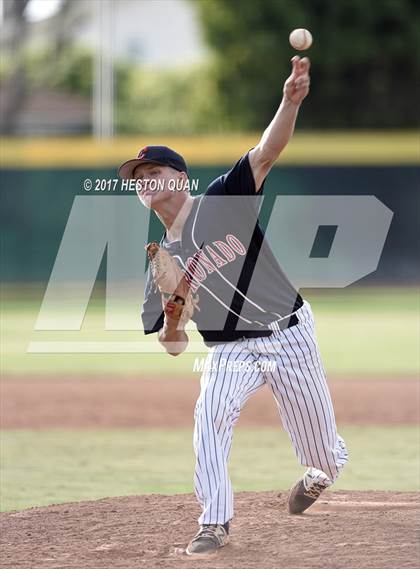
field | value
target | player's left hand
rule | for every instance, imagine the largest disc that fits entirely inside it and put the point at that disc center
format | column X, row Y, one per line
column 178, row 302
column 297, row 85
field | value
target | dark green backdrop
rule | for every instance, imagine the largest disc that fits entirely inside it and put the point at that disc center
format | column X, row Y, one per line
column 35, row 205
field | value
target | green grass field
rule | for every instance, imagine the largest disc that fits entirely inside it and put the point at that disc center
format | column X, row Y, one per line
column 46, row 467
column 361, row 331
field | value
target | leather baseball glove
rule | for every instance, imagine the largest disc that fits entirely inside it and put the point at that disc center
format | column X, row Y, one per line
column 177, row 299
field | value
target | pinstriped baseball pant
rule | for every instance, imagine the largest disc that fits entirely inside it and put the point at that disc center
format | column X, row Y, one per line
column 299, row 387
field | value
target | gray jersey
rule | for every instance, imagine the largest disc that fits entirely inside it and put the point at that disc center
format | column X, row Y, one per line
column 242, row 288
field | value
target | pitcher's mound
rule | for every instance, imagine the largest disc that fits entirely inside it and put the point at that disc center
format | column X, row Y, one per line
column 344, row 529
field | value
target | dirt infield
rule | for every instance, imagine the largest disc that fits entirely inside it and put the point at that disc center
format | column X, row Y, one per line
column 345, row 529
column 360, row 530
column 74, row 402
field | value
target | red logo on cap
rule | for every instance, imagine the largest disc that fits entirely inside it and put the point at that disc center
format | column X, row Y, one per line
column 143, row 152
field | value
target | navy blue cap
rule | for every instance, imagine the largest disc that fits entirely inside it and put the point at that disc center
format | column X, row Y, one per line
column 153, row 155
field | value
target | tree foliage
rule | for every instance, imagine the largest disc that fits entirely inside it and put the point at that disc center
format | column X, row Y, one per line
column 147, row 101
column 168, row 101
column 365, row 59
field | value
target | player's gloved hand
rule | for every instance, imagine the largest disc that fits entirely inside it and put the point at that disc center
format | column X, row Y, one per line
column 177, row 300
column 296, row 86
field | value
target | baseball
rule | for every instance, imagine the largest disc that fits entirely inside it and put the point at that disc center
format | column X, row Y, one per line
column 300, row 39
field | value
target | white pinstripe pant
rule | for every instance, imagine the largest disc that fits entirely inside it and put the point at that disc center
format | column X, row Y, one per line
column 299, row 387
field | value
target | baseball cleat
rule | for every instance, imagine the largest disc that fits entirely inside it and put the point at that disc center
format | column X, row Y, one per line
column 300, row 497
column 209, row 539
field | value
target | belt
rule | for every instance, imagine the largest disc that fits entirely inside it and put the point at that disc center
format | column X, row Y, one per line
column 276, row 326
column 280, row 325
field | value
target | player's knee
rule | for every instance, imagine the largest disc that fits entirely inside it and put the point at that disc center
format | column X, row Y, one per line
column 213, row 410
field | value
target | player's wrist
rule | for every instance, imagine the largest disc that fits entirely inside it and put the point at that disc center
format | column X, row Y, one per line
column 172, row 326
column 288, row 102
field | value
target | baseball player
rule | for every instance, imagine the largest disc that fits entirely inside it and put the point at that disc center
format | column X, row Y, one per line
column 226, row 279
